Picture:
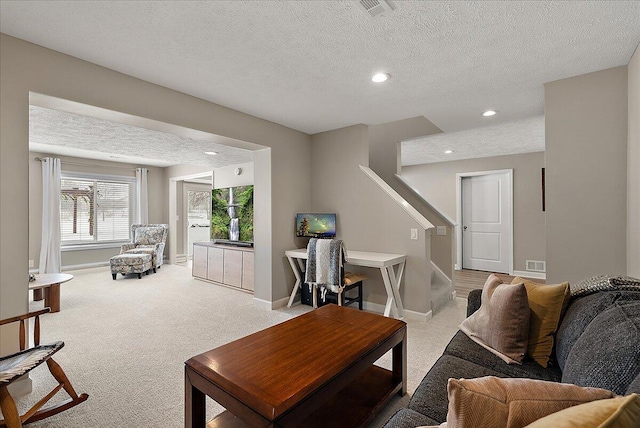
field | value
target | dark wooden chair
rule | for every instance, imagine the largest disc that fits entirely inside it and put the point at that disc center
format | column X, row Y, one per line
column 13, row 366
column 350, row 281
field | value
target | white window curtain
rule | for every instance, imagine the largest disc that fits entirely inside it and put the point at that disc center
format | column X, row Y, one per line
column 50, row 258
column 142, row 200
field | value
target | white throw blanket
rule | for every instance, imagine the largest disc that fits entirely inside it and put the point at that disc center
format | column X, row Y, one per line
column 325, row 257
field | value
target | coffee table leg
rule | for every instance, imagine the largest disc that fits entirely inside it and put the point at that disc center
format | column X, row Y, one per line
column 38, row 294
column 400, row 364
column 194, row 405
column 52, row 297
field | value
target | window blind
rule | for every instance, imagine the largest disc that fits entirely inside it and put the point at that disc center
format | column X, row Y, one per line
column 96, row 210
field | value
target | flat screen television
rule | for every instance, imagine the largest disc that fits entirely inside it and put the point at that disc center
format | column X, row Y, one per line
column 232, row 214
column 312, row 225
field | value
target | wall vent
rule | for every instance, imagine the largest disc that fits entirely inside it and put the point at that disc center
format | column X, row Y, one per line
column 536, row 266
column 375, row 8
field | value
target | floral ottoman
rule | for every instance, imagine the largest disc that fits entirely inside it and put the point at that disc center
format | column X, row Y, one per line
column 130, row 263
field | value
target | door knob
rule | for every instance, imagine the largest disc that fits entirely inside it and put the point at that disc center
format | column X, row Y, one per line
column 464, row 228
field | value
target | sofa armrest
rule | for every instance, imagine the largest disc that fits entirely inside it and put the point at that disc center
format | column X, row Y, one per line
column 473, row 301
column 126, row 247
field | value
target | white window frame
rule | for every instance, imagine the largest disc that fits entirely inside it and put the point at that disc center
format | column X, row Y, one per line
column 79, row 246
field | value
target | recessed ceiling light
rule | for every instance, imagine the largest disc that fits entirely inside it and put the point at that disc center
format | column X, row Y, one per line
column 211, row 153
column 448, row 151
column 489, row 113
column 380, row 77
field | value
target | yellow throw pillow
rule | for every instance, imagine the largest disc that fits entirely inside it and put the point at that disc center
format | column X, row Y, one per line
column 619, row 412
column 511, row 403
column 547, row 304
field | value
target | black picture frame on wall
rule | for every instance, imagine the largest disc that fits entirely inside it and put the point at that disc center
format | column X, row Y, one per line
column 543, row 192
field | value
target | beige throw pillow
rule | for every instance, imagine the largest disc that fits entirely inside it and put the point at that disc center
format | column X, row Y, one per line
column 619, row 412
column 501, row 325
column 547, row 304
column 511, row 403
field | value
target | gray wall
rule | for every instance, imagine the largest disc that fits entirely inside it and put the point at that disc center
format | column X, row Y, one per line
column 226, row 177
column 384, row 159
column 436, row 182
column 586, row 175
column 27, row 67
column 77, row 258
column 367, row 219
column 633, row 168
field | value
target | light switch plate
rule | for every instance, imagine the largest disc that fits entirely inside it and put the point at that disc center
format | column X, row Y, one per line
column 30, row 263
column 414, row 234
column 441, row 230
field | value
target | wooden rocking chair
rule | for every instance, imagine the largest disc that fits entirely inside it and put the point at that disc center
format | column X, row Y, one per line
column 12, row 367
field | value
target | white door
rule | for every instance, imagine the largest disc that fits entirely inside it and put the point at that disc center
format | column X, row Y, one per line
column 198, row 217
column 486, row 222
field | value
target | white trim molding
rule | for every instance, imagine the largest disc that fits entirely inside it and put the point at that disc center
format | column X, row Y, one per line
column 269, row 306
column 458, row 228
column 527, row 274
column 395, row 196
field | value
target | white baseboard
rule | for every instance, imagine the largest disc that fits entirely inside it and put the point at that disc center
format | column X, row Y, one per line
column 527, row 274
column 417, row 316
column 76, row 267
column 268, row 306
column 409, row 315
column 373, row 307
column 85, row 266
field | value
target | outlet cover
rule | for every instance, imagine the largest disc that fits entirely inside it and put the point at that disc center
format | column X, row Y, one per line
column 441, row 230
column 414, row 234
column 30, row 263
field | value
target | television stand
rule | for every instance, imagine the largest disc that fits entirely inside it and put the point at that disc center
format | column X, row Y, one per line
column 233, row 243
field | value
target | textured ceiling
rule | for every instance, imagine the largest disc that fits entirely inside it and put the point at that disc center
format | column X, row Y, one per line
column 521, row 136
column 63, row 133
column 307, row 64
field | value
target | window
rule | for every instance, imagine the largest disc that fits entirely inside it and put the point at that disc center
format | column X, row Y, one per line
column 96, row 210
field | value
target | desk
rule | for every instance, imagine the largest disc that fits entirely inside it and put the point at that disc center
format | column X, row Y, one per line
column 391, row 267
column 50, row 283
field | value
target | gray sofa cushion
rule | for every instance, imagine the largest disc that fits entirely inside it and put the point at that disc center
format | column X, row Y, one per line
column 430, row 398
column 607, row 354
column 580, row 313
column 409, row 418
column 463, row 347
column 634, row 387
column 474, row 300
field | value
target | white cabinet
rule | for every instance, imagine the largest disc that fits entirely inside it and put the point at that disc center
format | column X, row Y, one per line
column 247, row 271
column 232, row 266
column 200, row 261
column 215, row 264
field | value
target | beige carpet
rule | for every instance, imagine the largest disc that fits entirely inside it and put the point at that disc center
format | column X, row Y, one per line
column 126, row 342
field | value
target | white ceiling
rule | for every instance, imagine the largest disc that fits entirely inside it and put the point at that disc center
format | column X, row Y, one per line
column 63, row 133
column 520, row 136
column 307, row 64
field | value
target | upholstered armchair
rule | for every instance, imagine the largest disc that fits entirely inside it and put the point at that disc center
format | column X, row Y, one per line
column 149, row 239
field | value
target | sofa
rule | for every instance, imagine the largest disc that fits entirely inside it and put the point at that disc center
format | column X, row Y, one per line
column 597, row 344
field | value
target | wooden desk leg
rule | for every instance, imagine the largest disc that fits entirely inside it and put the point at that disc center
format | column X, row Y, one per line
column 52, row 297
column 399, row 361
column 38, row 294
column 194, row 405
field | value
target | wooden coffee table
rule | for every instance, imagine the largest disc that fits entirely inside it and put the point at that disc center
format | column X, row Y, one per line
column 315, row 370
column 47, row 285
